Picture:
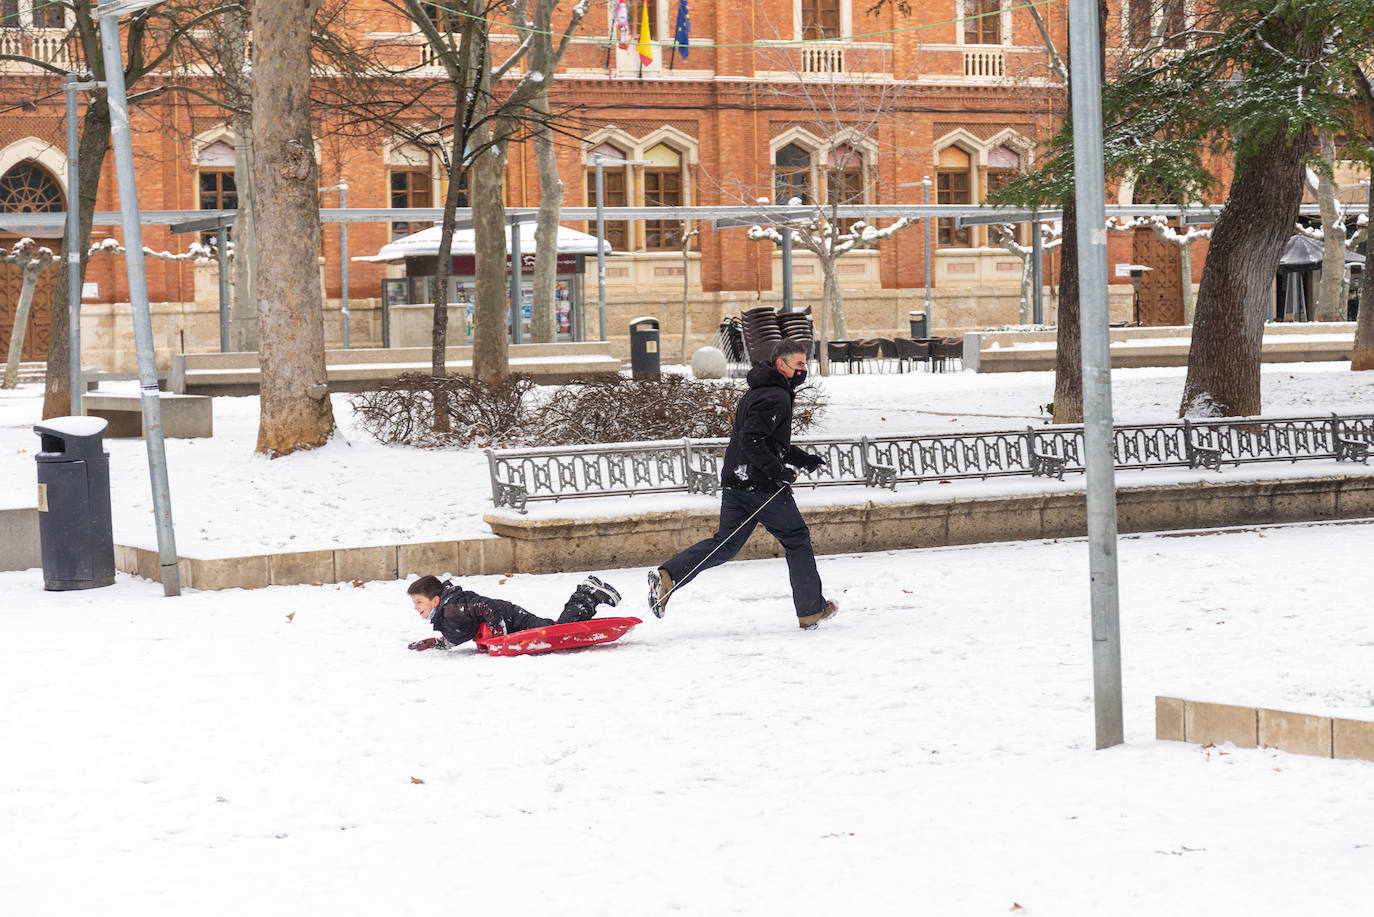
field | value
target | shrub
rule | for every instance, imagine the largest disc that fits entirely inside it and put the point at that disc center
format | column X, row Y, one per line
column 516, row 412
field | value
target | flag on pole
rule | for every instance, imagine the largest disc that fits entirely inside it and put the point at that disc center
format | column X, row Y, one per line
column 684, row 29
column 622, row 25
column 646, row 50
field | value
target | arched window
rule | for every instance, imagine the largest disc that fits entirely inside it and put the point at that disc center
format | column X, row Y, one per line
column 952, row 187
column 791, row 175
column 982, row 22
column 662, row 188
column 27, row 188
column 613, row 193
column 845, row 180
column 820, row 18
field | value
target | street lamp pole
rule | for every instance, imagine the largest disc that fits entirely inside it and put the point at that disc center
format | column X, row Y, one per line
column 108, row 13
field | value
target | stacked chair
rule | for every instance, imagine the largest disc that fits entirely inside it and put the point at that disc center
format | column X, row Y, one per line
column 761, row 332
column 796, row 326
column 763, row 327
column 730, row 340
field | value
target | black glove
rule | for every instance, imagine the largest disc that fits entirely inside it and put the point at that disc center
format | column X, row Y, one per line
column 429, row 643
column 785, row 478
column 811, row 462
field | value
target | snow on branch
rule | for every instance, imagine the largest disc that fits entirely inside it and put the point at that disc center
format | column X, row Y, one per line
column 1160, row 226
column 196, row 251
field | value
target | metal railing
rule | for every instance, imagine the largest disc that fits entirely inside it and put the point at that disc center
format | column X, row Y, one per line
column 521, row 476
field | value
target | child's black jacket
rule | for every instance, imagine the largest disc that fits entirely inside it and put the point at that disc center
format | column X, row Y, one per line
column 461, row 612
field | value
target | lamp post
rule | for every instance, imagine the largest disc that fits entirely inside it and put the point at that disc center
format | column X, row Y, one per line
column 599, row 160
column 108, row 12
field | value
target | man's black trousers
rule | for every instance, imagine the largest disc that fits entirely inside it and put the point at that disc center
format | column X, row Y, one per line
column 783, row 521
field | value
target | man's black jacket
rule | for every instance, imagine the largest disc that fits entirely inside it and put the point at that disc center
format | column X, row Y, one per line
column 761, row 439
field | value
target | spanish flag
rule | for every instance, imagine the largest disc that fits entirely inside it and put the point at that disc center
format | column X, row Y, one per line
column 645, row 49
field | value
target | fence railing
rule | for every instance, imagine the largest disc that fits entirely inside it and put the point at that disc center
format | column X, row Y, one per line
column 520, row 476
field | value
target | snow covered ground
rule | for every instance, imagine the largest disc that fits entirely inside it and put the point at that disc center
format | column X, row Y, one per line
column 930, row 751
column 279, row 751
column 354, row 492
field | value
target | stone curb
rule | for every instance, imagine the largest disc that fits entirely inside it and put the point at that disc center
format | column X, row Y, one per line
column 1202, row 723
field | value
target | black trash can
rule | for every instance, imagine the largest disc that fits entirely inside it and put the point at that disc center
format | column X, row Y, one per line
column 74, row 530
column 644, row 348
column 920, row 325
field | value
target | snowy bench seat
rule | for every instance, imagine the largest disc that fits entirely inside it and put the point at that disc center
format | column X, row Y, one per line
column 183, row 416
column 364, row 368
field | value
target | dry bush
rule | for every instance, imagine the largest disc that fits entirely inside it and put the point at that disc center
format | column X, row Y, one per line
column 517, row 413
column 480, row 413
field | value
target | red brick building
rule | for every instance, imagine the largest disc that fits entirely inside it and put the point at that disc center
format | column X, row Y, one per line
column 810, row 98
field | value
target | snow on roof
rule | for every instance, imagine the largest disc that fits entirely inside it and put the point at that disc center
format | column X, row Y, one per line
column 426, row 243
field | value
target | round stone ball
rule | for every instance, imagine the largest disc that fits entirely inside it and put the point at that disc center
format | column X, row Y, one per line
column 708, row 363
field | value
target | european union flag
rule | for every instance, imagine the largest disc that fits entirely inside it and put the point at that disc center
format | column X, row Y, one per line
column 684, row 29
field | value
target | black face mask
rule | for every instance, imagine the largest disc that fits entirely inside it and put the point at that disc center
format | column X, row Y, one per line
column 798, row 377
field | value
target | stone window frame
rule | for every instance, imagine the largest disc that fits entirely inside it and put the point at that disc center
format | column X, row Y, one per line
column 685, row 145
column 25, row 19
column 978, row 150
column 1158, row 23
column 964, row 7
column 846, row 19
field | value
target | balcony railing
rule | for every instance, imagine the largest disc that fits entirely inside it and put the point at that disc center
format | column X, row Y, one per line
column 825, row 58
column 48, row 45
column 990, row 62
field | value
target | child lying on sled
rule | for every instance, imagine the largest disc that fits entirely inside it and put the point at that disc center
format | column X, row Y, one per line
column 457, row 614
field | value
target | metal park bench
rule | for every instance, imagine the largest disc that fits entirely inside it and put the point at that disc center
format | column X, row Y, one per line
column 521, row 476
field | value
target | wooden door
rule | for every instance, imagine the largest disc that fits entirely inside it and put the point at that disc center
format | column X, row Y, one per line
column 40, row 314
column 1161, row 289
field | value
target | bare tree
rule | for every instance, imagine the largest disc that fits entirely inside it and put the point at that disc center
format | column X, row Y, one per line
column 151, row 37
column 295, row 408
column 32, row 260
column 1004, row 234
column 1330, row 291
column 826, row 236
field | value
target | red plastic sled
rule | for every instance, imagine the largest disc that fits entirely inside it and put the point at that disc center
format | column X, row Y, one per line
column 555, row 636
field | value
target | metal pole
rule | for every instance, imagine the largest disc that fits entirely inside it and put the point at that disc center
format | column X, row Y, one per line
column 1085, row 74
column 73, row 251
column 600, row 254
column 138, row 301
column 222, row 244
column 343, row 260
column 1037, row 275
column 930, row 309
column 786, row 269
column 516, row 270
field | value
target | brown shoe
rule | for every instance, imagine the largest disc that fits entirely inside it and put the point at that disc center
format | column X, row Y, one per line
column 810, row 622
column 660, row 588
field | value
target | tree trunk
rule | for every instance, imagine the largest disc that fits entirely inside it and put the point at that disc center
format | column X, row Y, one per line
column 1330, row 304
column 243, row 308
column 490, row 339
column 295, row 407
column 1362, row 357
column 93, row 146
column 543, row 320
column 834, row 298
column 32, row 265
column 1233, row 300
column 438, row 359
column 1068, row 357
